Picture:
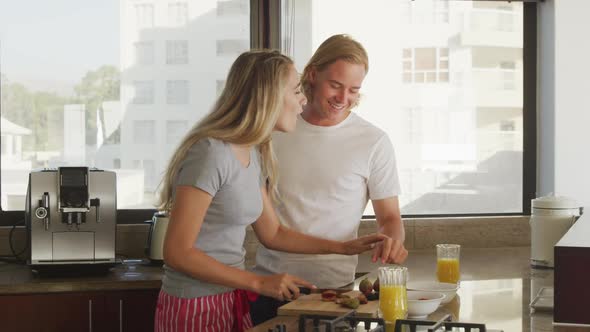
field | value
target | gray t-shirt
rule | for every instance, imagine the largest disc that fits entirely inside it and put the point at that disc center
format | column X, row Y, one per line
column 212, row 166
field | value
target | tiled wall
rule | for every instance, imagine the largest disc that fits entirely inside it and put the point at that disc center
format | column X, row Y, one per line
column 420, row 234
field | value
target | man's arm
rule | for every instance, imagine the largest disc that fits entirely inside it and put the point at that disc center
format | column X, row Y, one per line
column 390, row 223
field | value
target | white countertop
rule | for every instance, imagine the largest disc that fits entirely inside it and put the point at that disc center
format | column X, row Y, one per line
column 497, row 285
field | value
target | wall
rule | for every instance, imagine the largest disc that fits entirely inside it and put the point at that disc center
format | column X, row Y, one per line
column 564, row 106
column 545, row 99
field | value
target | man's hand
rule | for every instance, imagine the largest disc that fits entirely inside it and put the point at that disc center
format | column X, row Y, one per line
column 390, row 251
column 362, row 244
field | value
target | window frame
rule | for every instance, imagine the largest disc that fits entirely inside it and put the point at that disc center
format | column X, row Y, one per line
column 265, row 33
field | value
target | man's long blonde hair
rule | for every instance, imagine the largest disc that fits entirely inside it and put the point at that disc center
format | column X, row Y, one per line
column 337, row 47
column 244, row 114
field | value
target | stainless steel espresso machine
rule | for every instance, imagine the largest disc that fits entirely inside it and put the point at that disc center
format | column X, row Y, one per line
column 71, row 217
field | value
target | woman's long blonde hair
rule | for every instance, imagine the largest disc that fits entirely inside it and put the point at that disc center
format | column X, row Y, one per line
column 244, row 114
column 337, row 47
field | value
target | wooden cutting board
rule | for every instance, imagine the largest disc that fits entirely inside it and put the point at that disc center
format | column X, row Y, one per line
column 313, row 304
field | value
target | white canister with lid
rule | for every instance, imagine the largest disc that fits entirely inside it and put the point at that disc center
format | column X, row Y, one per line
column 551, row 218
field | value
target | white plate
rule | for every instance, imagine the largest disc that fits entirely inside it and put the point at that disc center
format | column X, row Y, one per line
column 422, row 304
column 449, row 290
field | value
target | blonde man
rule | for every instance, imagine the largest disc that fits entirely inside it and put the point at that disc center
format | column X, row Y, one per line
column 217, row 183
column 330, row 166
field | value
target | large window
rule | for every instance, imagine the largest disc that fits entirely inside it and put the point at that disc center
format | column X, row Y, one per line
column 106, row 84
column 446, row 83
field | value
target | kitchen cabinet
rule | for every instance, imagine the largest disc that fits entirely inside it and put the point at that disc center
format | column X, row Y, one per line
column 63, row 312
column 131, row 310
column 572, row 266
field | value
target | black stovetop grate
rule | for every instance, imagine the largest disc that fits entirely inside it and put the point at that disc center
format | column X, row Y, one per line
column 444, row 323
column 331, row 323
column 350, row 320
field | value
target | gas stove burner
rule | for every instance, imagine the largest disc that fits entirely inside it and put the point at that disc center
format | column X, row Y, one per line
column 351, row 322
column 444, row 324
column 346, row 322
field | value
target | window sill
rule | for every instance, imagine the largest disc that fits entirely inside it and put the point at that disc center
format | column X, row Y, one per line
column 474, row 232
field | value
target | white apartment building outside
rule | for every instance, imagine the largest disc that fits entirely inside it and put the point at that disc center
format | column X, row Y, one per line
column 14, row 166
column 174, row 59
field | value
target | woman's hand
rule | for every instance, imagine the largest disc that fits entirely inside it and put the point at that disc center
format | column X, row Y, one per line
column 281, row 286
column 363, row 243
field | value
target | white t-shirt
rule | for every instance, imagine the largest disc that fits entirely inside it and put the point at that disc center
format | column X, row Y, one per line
column 326, row 177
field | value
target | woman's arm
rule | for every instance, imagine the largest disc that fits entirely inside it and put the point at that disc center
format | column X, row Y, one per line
column 275, row 236
column 186, row 218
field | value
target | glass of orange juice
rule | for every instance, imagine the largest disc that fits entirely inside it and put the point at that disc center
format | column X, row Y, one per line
column 447, row 263
column 393, row 298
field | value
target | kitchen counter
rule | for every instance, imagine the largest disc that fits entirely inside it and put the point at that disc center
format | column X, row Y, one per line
column 132, row 274
column 476, row 264
column 496, row 289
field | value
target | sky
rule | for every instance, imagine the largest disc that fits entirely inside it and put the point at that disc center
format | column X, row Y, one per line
column 45, row 43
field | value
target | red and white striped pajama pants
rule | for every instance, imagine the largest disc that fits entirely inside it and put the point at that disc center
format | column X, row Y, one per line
column 226, row 312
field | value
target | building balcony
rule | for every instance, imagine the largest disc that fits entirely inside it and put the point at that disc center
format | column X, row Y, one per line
column 489, row 87
column 498, row 87
column 489, row 27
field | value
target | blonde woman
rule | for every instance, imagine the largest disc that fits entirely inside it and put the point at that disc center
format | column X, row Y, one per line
column 220, row 180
